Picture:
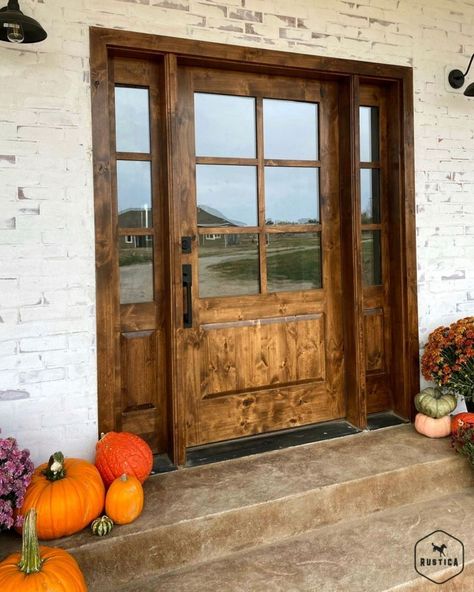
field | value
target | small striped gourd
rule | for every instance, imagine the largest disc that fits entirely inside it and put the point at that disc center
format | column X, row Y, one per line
column 102, row 526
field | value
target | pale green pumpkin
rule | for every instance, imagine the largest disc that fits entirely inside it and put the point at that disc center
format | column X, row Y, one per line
column 434, row 403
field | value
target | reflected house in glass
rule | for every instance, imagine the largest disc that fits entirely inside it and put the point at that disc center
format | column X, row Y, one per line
column 135, row 218
column 212, row 218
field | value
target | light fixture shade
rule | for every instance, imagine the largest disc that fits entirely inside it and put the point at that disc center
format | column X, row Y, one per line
column 11, row 15
column 469, row 92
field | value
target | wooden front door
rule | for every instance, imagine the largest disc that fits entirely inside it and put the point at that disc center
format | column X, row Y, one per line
column 254, row 219
column 261, row 347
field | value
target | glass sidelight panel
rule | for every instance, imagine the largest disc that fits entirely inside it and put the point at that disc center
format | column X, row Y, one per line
column 132, row 119
column 225, row 125
column 371, row 258
column 228, row 265
column 226, row 195
column 291, row 195
column 290, row 130
column 369, row 134
column 134, row 193
column 370, row 195
column 293, row 261
column 136, row 268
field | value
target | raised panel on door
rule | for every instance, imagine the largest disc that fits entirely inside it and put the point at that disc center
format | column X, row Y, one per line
column 264, row 351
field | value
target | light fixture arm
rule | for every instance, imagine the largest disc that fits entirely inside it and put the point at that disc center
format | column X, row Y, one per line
column 456, row 78
column 13, row 5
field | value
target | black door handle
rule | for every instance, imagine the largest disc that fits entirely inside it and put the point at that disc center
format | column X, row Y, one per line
column 188, row 300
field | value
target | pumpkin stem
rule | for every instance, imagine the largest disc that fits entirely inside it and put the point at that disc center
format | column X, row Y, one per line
column 55, row 470
column 30, row 561
column 124, row 477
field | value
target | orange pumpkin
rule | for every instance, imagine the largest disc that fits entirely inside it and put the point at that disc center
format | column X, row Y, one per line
column 431, row 427
column 39, row 568
column 124, row 499
column 67, row 495
column 461, row 419
column 117, row 453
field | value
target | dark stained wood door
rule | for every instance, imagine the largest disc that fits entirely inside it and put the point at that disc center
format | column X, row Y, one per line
column 261, row 346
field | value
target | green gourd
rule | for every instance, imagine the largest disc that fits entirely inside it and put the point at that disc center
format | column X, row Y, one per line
column 102, row 526
column 434, row 403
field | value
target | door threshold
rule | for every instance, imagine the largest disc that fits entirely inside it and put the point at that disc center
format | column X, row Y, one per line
column 210, row 453
column 385, row 419
column 231, row 449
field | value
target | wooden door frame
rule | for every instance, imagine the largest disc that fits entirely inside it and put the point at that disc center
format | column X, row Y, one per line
column 173, row 52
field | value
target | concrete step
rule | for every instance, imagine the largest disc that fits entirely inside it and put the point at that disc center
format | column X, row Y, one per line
column 374, row 553
column 206, row 513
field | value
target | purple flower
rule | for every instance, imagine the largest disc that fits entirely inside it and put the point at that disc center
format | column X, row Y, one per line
column 16, row 470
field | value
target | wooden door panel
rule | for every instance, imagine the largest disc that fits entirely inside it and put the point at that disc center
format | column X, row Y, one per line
column 247, row 355
column 273, row 360
column 374, row 338
column 236, row 416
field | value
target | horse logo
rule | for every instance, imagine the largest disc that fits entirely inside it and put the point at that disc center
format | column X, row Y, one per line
column 439, row 549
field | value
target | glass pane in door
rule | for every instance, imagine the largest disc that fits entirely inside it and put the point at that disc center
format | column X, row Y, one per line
column 226, row 195
column 228, row 265
column 136, row 268
column 291, row 195
column 293, row 261
column 224, row 125
column 290, row 130
column 132, row 120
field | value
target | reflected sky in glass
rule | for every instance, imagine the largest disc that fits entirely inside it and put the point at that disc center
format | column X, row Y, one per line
column 290, row 130
column 132, row 126
column 226, row 195
column 134, row 193
column 224, row 125
column 291, row 195
column 369, row 134
column 370, row 196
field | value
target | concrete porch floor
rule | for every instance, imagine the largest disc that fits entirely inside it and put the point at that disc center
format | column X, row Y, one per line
column 343, row 514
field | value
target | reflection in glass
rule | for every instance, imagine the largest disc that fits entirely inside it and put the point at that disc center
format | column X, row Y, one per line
column 290, row 130
column 369, row 133
column 371, row 258
column 136, row 269
column 226, row 195
column 293, row 261
column 224, row 125
column 134, row 193
column 291, row 195
column 370, row 195
column 132, row 121
column 228, row 265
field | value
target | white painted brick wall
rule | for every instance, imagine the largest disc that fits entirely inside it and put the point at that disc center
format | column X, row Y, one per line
column 47, row 323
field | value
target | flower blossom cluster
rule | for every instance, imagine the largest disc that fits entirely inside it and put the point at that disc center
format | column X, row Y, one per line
column 448, row 358
column 16, row 470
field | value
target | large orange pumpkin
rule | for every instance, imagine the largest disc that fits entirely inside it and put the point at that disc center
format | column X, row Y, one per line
column 461, row 419
column 117, row 453
column 124, row 499
column 67, row 495
column 433, row 427
column 39, row 568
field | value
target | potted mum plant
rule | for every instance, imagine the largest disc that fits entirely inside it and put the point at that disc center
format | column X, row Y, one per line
column 448, row 359
column 16, row 470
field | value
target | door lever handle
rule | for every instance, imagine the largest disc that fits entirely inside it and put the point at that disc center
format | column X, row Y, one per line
column 187, row 271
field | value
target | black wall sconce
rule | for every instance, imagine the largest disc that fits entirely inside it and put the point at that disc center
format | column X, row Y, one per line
column 16, row 27
column 456, row 79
